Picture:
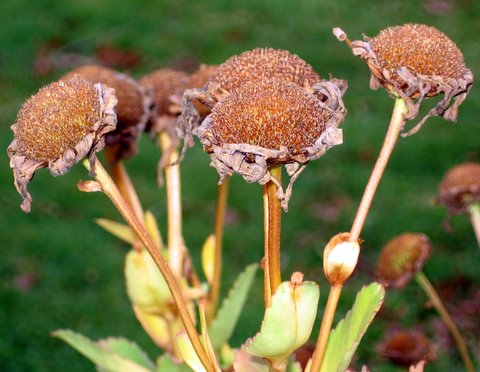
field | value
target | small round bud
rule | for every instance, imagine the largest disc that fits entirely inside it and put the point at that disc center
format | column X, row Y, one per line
column 340, row 259
column 406, row 348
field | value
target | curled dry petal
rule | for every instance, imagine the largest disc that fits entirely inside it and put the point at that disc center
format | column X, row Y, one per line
column 401, row 258
column 60, row 125
column 133, row 108
column 415, row 61
column 268, row 122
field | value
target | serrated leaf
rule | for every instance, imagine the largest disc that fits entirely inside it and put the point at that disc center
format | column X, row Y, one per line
column 127, row 349
column 208, row 258
column 224, row 323
column 287, row 323
column 345, row 338
column 104, row 358
column 119, row 230
column 166, row 364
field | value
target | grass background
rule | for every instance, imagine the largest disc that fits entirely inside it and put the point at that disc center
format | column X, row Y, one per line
column 59, row 270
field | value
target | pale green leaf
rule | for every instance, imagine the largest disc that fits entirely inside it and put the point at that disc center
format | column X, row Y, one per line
column 104, row 358
column 345, row 338
column 224, row 323
column 208, row 258
column 119, row 230
column 166, row 364
column 127, row 349
column 188, row 353
column 152, row 228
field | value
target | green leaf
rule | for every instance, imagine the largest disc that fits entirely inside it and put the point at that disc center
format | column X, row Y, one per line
column 119, row 230
column 105, row 359
column 188, row 353
column 287, row 323
column 224, row 323
column 127, row 349
column 166, row 364
column 345, row 338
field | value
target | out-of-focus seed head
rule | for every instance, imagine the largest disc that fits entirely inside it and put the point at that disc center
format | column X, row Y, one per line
column 61, row 124
column 415, row 61
column 460, row 187
column 253, row 65
column 202, row 75
column 401, row 258
column 268, row 122
column 133, row 107
column 264, row 63
column 406, row 347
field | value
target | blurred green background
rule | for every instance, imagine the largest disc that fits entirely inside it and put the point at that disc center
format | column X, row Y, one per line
column 59, row 270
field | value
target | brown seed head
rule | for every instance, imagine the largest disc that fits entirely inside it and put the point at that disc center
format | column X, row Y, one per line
column 46, row 129
column 264, row 63
column 406, row 348
column 131, row 108
column 202, row 75
column 401, row 258
column 165, row 83
column 422, row 49
column 460, row 187
column 269, row 114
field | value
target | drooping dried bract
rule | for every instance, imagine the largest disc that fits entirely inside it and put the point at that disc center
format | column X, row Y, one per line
column 406, row 347
column 460, row 187
column 256, row 64
column 133, row 107
column 401, row 258
column 60, row 125
column 268, row 122
column 415, row 61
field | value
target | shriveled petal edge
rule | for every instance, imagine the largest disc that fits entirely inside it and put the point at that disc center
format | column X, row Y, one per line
column 413, row 84
column 454, row 201
column 253, row 162
column 24, row 168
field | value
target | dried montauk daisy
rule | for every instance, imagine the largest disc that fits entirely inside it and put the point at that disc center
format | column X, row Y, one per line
column 256, row 64
column 268, row 122
column 406, row 347
column 57, row 127
column 401, row 258
column 133, row 107
column 413, row 62
column 460, row 187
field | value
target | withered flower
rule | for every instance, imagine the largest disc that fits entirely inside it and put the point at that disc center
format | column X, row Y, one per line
column 406, row 347
column 460, row 187
column 266, row 122
column 256, row 64
column 413, row 62
column 57, row 127
column 202, row 75
column 133, row 108
column 401, row 258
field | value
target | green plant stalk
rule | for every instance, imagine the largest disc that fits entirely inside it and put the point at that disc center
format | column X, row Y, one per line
column 111, row 190
column 474, row 211
column 432, row 294
column 272, row 226
column 222, row 196
column 175, row 244
column 397, row 122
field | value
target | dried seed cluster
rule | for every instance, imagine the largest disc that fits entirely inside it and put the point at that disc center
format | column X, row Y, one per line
column 202, row 75
column 406, row 348
column 45, row 130
column 402, row 257
column 264, row 63
column 460, row 187
column 269, row 114
column 422, row 49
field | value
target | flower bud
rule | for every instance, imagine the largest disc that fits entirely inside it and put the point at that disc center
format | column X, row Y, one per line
column 340, row 258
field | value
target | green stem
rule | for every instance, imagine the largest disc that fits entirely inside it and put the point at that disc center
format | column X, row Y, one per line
column 220, row 209
column 111, row 190
column 272, row 224
column 397, row 122
column 176, row 249
column 431, row 293
column 474, row 211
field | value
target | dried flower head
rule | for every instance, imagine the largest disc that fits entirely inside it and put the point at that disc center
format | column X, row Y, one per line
column 401, row 258
column 266, row 122
column 202, row 75
column 60, row 125
column 460, row 187
column 406, row 348
column 256, row 64
column 132, row 110
column 415, row 61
